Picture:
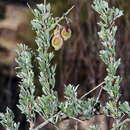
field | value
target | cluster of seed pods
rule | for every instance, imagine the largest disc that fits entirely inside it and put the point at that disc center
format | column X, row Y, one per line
column 60, row 34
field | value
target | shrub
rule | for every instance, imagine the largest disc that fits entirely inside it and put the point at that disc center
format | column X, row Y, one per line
column 49, row 33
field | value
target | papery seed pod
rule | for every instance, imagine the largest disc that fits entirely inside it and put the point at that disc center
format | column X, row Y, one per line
column 66, row 33
column 57, row 42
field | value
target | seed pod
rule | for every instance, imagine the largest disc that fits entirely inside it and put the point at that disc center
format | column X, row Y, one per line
column 66, row 33
column 57, row 42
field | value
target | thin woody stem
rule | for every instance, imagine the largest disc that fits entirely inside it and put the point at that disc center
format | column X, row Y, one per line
column 44, row 2
column 92, row 90
column 76, row 119
column 61, row 18
column 44, row 6
column 45, row 122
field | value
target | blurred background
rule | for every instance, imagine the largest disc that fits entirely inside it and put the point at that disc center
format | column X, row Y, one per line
column 78, row 60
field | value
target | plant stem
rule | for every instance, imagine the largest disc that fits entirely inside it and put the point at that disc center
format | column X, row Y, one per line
column 92, row 90
column 76, row 119
column 45, row 122
column 61, row 18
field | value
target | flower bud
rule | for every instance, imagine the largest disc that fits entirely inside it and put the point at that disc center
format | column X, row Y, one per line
column 57, row 42
column 66, row 33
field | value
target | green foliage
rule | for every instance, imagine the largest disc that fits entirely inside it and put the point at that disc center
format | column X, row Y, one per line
column 47, row 105
column 108, row 54
column 88, row 108
column 125, row 108
column 71, row 106
column 7, row 120
column 27, row 87
column 123, row 127
column 74, row 107
column 113, row 107
column 94, row 127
